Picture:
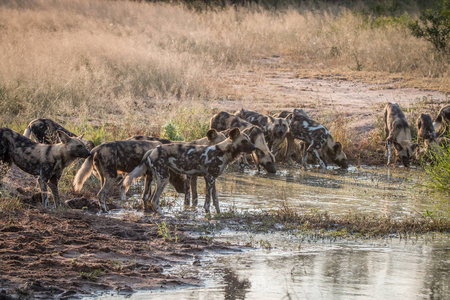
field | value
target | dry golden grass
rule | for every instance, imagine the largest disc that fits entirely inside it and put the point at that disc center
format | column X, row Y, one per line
column 138, row 63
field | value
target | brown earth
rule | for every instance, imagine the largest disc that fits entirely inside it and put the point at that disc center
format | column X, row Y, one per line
column 68, row 253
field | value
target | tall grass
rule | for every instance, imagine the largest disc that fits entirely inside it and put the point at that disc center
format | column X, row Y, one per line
column 98, row 59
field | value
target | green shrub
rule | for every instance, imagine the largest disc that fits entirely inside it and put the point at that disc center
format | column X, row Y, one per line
column 171, row 131
column 187, row 124
column 434, row 26
column 439, row 170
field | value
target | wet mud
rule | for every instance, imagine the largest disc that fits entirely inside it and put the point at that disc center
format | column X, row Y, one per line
column 67, row 254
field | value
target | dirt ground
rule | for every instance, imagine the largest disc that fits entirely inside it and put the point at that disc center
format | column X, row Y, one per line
column 66, row 254
column 360, row 99
column 69, row 253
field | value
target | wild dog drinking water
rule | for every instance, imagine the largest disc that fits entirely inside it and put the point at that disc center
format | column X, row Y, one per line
column 46, row 161
column 193, row 160
column 317, row 137
column 398, row 133
column 275, row 128
column 262, row 154
column 44, row 131
column 110, row 159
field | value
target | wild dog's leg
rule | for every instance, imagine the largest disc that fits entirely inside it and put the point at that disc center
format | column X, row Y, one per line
column 313, row 147
column 389, row 151
column 207, row 196
column 194, row 190
column 255, row 160
column 103, row 191
column 161, row 183
column 321, row 163
column 4, row 168
column 157, row 161
column 147, row 189
column 243, row 162
column 390, row 139
column 289, row 148
column 123, row 194
column 53, row 184
column 44, row 193
column 187, row 190
column 211, row 189
column 276, row 145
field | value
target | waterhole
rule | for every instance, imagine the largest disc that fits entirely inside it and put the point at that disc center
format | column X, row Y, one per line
column 289, row 266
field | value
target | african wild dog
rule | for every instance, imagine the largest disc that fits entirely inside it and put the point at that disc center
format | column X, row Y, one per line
column 286, row 113
column 275, row 129
column 317, row 137
column 426, row 136
column 111, row 158
column 442, row 122
column 44, row 131
column 149, row 138
column 197, row 160
column 425, row 130
column 212, row 137
column 262, row 155
column 398, row 133
column 47, row 161
column 289, row 151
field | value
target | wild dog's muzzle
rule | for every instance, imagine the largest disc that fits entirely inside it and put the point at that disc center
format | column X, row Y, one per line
column 405, row 161
column 280, row 131
column 270, row 167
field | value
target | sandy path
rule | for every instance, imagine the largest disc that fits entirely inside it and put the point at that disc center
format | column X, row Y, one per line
column 360, row 101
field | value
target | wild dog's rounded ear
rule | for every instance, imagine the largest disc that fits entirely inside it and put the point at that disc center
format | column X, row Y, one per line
column 211, row 134
column 80, row 137
column 63, row 136
column 271, row 119
column 337, row 147
column 234, row 133
column 289, row 118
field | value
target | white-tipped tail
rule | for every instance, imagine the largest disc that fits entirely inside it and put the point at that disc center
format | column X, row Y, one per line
column 136, row 173
column 27, row 132
column 83, row 173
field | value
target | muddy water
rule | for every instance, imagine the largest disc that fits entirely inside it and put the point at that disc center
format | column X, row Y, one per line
column 387, row 269
column 379, row 190
column 295, row 266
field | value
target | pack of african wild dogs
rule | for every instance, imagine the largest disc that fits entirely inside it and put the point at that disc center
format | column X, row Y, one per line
column 46, row 148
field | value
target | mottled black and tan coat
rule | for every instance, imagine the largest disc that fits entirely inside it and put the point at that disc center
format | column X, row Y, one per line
column 44, row 131
column 193, row 160
column 275, row 128
column 110, row 159
column 317, row 137
column 262, row 154
column 212, row 137
column 398, row 133
column 442, row 123
column 45, row 161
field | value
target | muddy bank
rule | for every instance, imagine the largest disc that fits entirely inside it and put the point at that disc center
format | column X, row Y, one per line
column 71, row 253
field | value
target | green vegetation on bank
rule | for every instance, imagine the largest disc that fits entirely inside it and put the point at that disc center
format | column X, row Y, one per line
column 358, row 224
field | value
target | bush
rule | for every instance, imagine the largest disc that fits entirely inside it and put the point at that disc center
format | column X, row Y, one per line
column 439, row 170
column 434, row 26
